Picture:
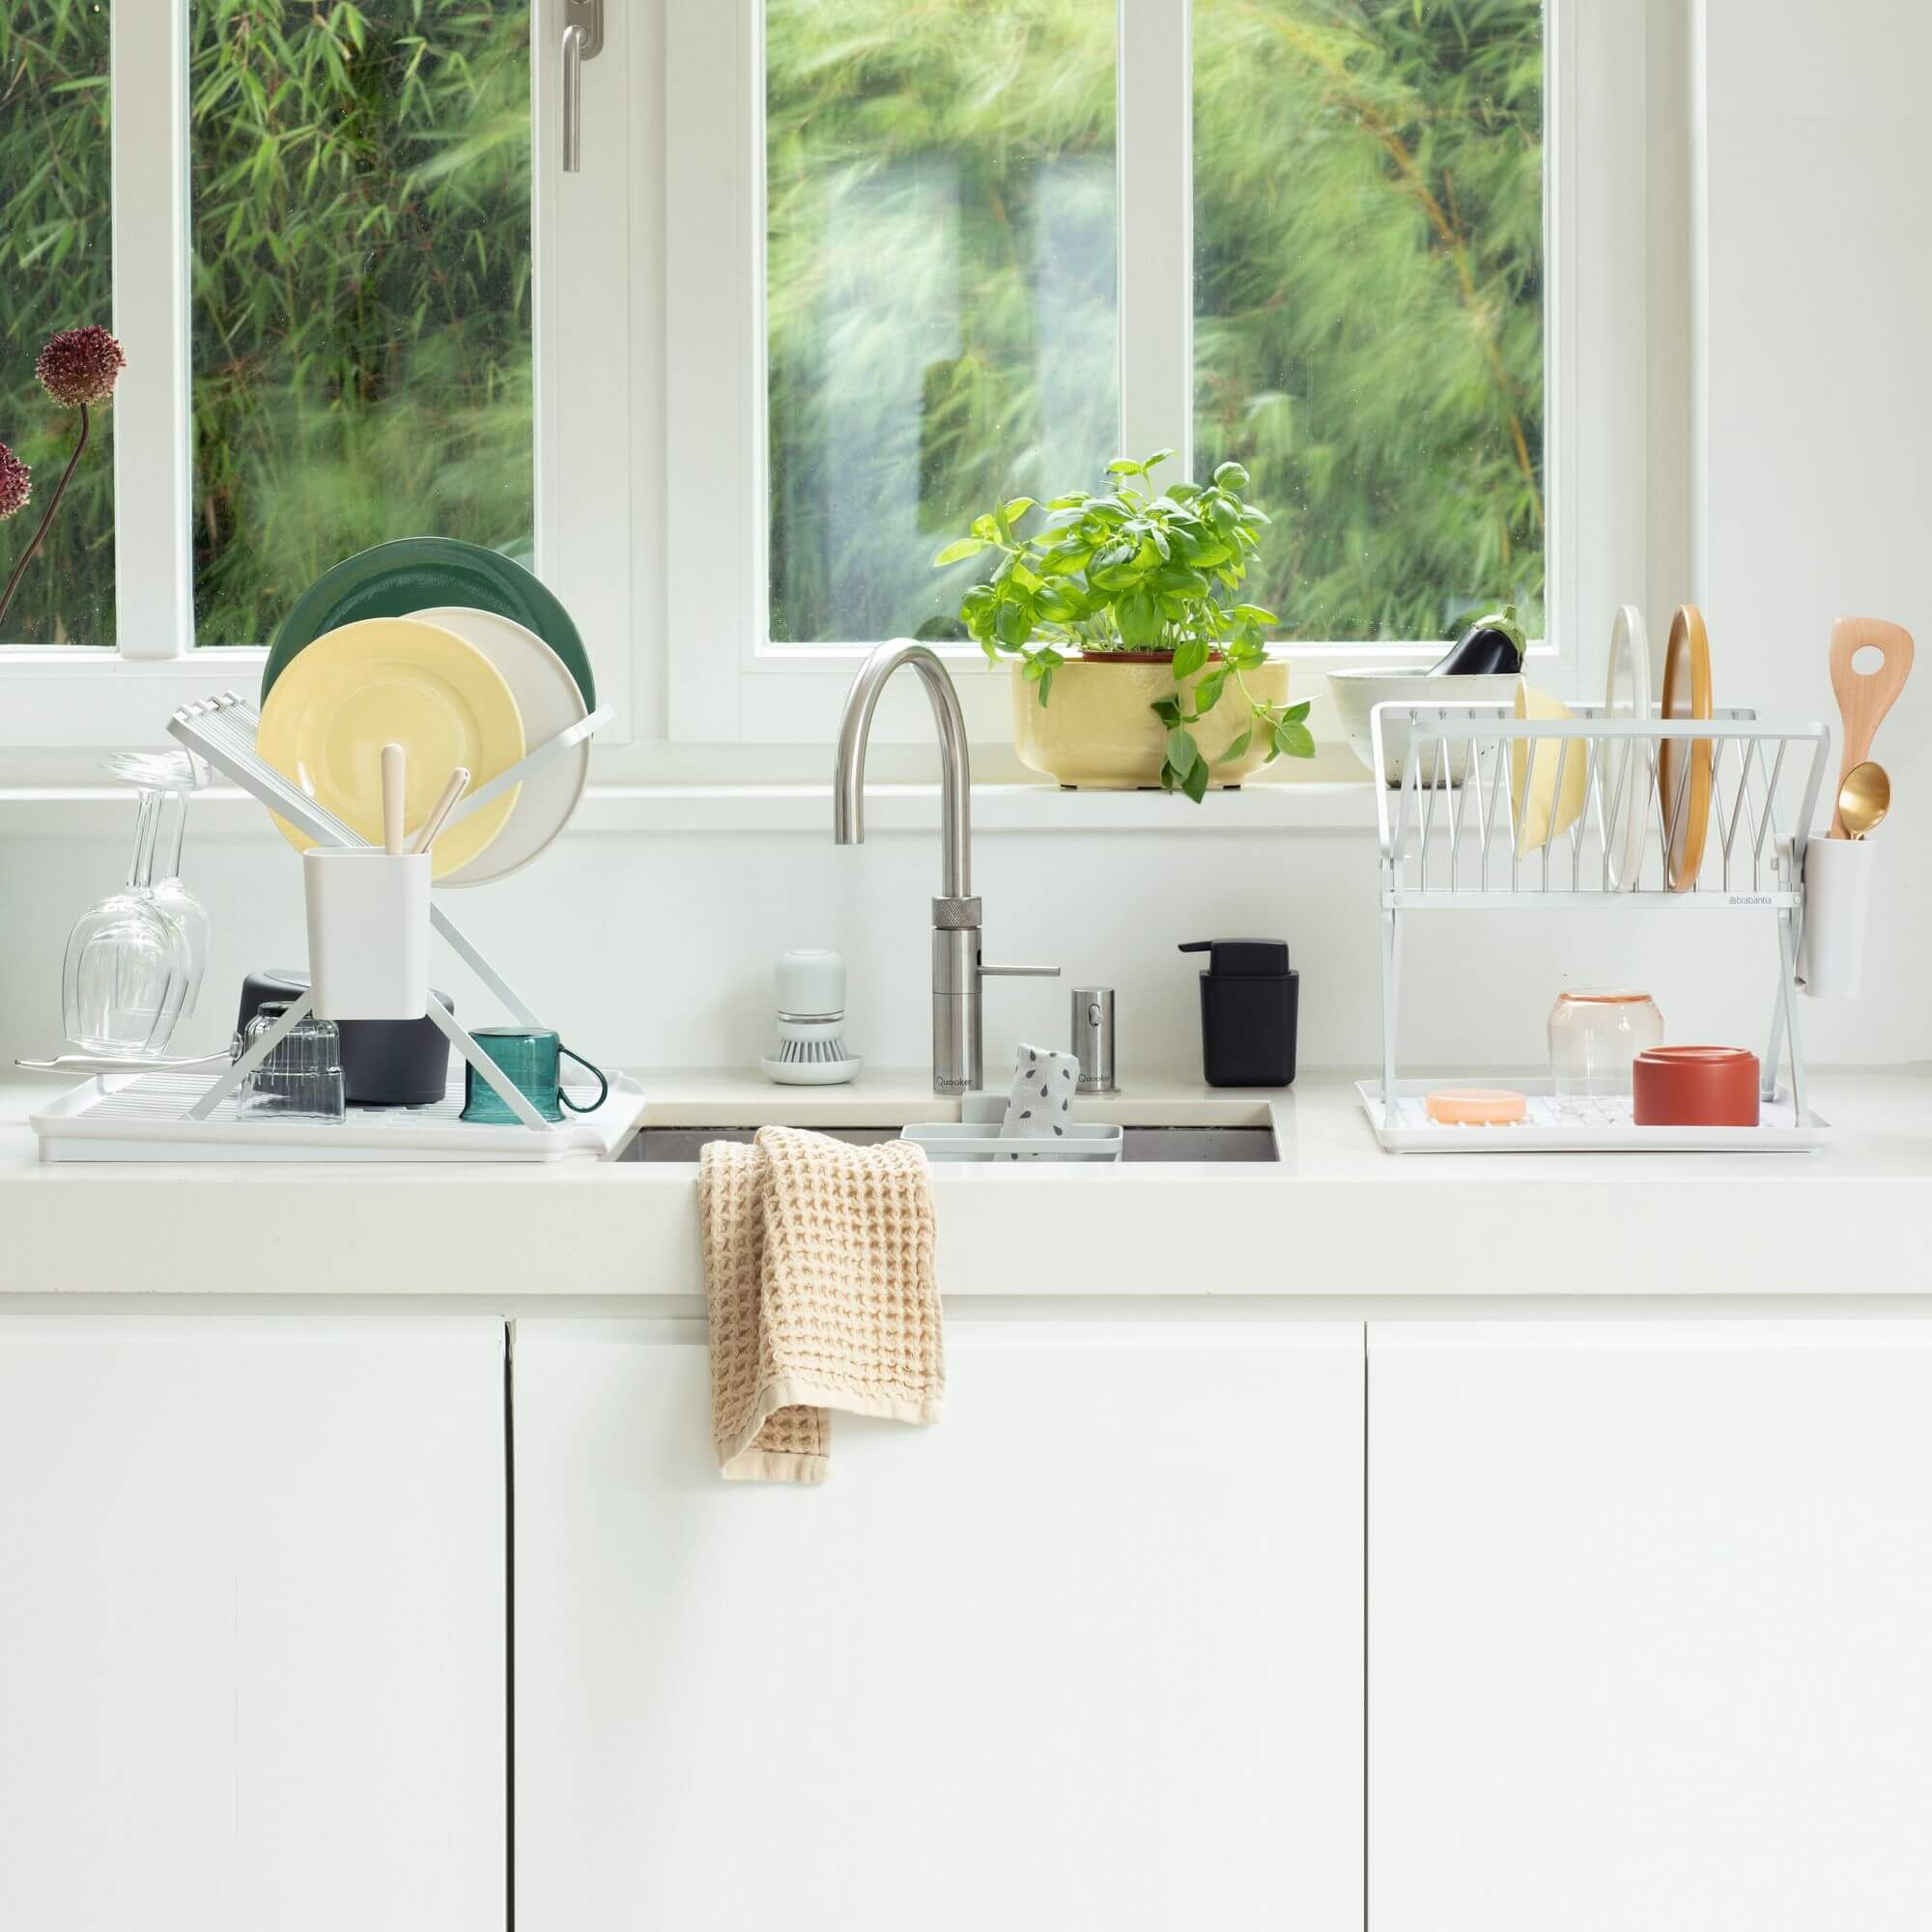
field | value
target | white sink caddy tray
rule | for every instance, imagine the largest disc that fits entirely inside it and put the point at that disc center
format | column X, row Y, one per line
column 975, row 1137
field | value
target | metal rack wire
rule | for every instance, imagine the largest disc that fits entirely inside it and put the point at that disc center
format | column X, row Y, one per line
column 1469, row 827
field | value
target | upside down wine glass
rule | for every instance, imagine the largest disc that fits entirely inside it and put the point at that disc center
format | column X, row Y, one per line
column 173, row 897
column 129, row 963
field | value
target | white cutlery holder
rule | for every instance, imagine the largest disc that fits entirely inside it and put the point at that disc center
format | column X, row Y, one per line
column 368, row 933
column 1837, row 909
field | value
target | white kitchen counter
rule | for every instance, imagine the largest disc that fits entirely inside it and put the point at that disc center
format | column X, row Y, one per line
column 1337, row 1216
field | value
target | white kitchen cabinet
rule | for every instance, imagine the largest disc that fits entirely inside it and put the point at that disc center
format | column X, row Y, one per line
column 251, row 1625
column 1086, row 1653
column 1649, row 1603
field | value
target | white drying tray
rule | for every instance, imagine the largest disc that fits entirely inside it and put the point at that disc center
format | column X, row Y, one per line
column 975, row 1136
column 1610, row 1130
column 121, row 1116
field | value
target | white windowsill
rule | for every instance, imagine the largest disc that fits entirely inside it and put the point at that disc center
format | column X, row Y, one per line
column 1307, row 806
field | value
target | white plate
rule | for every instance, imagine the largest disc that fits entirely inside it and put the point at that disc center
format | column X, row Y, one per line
column 1627, row 699
column 548, row 696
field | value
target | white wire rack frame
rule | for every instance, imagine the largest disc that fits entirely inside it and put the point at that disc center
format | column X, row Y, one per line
column 1452, row 835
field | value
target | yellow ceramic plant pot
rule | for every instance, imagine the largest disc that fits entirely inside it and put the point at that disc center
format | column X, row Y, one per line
column 1099, row 729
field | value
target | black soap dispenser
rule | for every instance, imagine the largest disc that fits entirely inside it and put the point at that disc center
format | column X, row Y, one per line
column 1248, row 1001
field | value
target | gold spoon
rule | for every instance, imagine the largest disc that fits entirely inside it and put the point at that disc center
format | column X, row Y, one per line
column 1863, row 799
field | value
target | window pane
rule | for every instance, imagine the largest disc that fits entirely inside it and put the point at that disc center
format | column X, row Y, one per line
column 55, row 255
column 361, row 212
column 940, row 291
column 1368, row 211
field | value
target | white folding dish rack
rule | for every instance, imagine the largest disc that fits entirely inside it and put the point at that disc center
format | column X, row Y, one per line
column 1454, row 844
column 187, row 1115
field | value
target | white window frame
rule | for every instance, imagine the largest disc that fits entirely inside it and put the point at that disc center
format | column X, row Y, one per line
column 728, row 683
column 651, row 388
column 68, row 699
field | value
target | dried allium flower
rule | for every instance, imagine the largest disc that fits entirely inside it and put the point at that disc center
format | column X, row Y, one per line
column 16, row 484
column 80, row 365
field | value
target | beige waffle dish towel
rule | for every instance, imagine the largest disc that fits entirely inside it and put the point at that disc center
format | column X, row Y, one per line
column 818, row 1275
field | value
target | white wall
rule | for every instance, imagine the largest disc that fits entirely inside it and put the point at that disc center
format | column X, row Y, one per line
column 1811, row 403
column 656, row 949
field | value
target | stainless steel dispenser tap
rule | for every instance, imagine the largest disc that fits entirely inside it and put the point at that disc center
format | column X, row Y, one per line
column 958, row 1036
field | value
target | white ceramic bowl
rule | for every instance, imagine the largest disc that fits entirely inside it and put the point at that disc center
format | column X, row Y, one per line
column 1356, row 693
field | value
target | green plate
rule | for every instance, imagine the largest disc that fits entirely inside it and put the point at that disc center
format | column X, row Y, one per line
column 396, row 579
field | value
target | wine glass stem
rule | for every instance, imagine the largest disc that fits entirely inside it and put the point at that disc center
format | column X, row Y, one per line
column 147, row 820
column 170, row 830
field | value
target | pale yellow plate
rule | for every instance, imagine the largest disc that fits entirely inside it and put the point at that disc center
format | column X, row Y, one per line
column 383, row 681
column 1541, row 816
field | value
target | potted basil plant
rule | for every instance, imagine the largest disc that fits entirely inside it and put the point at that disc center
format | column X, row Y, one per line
column 1137, row 664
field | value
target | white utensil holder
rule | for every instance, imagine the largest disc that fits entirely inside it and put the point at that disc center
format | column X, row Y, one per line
column 368, row 933
column 1837, row 909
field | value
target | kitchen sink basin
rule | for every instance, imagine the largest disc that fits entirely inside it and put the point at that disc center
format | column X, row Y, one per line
column 1214, row 1143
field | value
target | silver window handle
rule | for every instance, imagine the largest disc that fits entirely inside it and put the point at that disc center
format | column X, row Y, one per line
column 582, row 40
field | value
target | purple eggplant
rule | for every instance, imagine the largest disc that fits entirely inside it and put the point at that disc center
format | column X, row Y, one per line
column 1490, row 646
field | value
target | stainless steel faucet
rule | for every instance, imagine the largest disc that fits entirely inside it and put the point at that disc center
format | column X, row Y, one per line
column 958, row 1036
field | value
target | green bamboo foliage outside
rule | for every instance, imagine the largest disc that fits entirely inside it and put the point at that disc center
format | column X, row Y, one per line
column 361, row 211
column 1369, row 335
column 361, row 218
column 1369, row 302
column 55, row 254
column 1367, row 292
column 941, row 213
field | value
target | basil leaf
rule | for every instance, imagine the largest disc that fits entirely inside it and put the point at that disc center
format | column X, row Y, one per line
column 1293, row 741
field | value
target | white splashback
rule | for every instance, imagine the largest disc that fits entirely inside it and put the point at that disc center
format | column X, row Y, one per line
column 657, row 948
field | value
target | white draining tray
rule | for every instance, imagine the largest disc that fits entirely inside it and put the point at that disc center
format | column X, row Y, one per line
column 1608, row 1128
column 138, row 1117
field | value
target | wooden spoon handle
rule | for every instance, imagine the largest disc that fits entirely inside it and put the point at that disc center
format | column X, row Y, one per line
column 1864, row 697
column 394, row 769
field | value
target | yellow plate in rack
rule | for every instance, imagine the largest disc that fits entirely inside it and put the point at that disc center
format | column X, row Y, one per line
column 1542, row 814
column 393, row 681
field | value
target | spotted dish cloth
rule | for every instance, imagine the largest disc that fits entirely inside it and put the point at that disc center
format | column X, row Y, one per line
column 1041, row 1106
column 819, row 1279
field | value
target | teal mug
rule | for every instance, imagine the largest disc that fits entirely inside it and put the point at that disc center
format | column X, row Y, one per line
column 532, row 1057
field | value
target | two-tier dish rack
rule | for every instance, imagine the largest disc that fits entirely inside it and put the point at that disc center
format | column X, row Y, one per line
column 1470, row 829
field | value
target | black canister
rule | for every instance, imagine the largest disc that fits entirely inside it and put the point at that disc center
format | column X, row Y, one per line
column 1248, row 1000
column 384, row 1063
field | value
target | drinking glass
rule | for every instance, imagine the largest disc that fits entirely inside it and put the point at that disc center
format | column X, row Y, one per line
column 302, row 1078
column 175, row 775
column 128, row 961
column 1593, row 1039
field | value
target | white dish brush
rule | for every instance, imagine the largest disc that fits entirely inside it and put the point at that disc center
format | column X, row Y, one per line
column 812, row 1022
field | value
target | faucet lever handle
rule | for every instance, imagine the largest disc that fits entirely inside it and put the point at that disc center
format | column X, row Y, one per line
column 1019, row 972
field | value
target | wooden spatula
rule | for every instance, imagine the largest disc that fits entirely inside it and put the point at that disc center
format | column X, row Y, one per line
column 1864, row 697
